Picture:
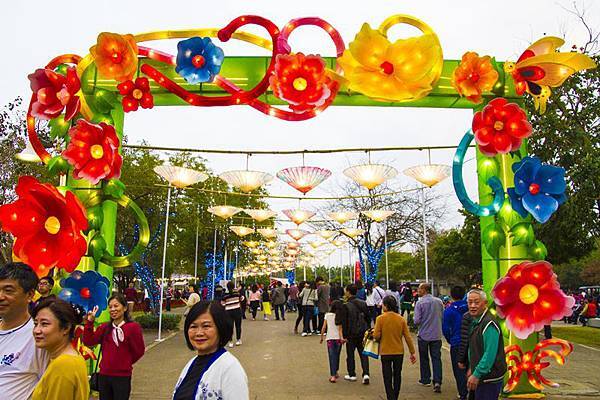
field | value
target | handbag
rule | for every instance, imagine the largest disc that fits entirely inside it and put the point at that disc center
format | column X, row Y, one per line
column 370, row 345
column 94, row 376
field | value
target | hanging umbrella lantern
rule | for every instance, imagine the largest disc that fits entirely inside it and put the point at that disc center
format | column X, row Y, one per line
column 342, row 217
column 270, row 244
column 429, row 174
column 267, row 233
column 292, row 245
column 298, row 216
column 370, row 175
column 352, row 232
column 296, row 234
column 224, row 212
column 260, row 215
column 241, row 231
column 245, row 180
column 378, row 215
column 251, row 244
column 304, row 179
column 325, row 234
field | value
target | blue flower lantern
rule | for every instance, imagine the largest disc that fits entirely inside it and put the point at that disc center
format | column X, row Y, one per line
column 87, row 289
column 539, row 189
column 198, row 60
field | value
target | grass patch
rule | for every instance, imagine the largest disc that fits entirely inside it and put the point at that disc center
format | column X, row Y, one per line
column 149, row 321
column 578, row 334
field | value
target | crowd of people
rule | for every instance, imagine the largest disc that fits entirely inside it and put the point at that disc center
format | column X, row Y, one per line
column 39, row 360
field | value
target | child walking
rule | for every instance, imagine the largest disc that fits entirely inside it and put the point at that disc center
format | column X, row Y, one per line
column 335, row 339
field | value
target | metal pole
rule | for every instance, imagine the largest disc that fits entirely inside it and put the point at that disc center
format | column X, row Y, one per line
column 425, row 237
column 196, row 254
column 328, row 267
column 164, row 260
column 212, row 292
column 304, row 268
column 352, row 272
column 236, row 261
column 341, row 267
column 225, row 264
column 387, row 267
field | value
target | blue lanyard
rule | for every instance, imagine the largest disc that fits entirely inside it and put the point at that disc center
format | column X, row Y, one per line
column 214, row 358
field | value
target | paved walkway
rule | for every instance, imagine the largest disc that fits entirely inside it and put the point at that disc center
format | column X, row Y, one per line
column 282, row 366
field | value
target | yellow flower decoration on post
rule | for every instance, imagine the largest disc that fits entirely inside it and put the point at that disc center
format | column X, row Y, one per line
column 115, row 56
column 401, row 71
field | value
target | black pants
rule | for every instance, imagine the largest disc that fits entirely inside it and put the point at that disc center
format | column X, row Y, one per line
column 300, row 317
column 392, row 375
column 168, row 306
column 279, row 308
column 236, row 316
column 254, row 305
column 321, row 321
column 114, row 387
column 351, row 345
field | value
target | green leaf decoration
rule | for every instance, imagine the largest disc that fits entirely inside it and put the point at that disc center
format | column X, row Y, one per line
column 507, row 216
column 59, row 127
column 95, row 217
column 487, row 167
column 114, row 188
column 522, row 233
column 58, row 165
column 538, row 251
column 105, row 101
column 97, row 247
column 493, row 238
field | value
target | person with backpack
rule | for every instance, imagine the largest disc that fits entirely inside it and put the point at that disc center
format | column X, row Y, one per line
column 406, row 300
column 451, row 328
column 278, row 300
column 354, row 318
column 309, row 298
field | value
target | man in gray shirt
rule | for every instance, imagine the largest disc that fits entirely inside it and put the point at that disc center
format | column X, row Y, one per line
column 428, row 316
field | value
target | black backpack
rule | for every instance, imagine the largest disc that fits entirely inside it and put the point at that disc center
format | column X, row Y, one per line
column 357, row 325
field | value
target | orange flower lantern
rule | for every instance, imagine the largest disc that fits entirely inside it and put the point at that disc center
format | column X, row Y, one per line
column 473, row 76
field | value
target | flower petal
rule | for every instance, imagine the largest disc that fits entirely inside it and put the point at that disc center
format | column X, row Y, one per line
column 541, row 206
column 551, row 179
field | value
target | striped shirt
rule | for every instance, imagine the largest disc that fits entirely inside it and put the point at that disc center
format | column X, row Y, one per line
column 232, row 301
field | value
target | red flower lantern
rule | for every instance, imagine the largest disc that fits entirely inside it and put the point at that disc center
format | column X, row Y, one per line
column 529, row 297
column 93, row 152
column 302, row 81
column 53, row 93
column 500, row 127
column 136, row 94
column 47, row 226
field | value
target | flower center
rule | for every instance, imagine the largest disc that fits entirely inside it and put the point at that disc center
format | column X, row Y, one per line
column 85, row 293
column 534, row 188
column 52, row 225
column 529, row 294
column 137, row 94
column 96, row 151
column 498, row 125
column 300, row 84
column 116, row 57
column 63, row 96
column 474, row 77
column 198, row 61
column 387, row 67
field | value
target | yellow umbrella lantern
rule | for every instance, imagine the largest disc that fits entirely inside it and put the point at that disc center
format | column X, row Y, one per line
column 260, row 215
column 342, row 217
column 224, row 212
column 251, row 244
column 256, row 251
column 352, row 232
column 316, row 244
column 429, row 174
column 378, row 215
column 337, row 242
column 370, row 175
column 298, row 216
column 240, row 230
column 292, row 245
column 270, row 244
column 245, row 180
column 292, row 252
column 325, row 234
column 296, row 234
column 180, row 177
column 267, row 233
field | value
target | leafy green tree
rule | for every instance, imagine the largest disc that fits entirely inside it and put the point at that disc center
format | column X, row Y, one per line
column 568, row 135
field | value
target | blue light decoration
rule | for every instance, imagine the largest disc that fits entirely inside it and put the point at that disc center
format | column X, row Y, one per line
column 208, row 280
column 291, row 276
column 459, row 185
column 373, row 255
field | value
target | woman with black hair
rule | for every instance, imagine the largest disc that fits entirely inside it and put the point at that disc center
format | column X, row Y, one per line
column 122, row 345
column 255, row 299
column 214, row 373
column 232, row 302
column 309, row 298
column 390, row 328
column 300, row 317
column 66, row 378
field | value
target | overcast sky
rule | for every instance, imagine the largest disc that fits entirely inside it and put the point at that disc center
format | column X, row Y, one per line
column 33, row 32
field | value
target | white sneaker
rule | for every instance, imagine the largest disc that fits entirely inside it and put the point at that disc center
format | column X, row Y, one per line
column 304, row 334
column 366, row 380
column 238, row 343
column 309, row 333
column 230, row 344
column 350, row 378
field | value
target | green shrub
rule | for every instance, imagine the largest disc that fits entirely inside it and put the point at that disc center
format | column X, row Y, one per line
column 150, row 321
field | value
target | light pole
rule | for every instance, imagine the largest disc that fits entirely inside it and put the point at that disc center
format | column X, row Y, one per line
column 179, row 177
column 196, row 253
column 429, row 175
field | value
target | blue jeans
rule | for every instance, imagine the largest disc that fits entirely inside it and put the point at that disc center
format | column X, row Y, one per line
column 279, row 308
column 308, row 315
column 334, row 348
column 488, row 391
column 434, row 349
column 460, row 375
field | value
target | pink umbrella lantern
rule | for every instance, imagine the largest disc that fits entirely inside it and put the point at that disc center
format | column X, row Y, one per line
column 304, row 179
